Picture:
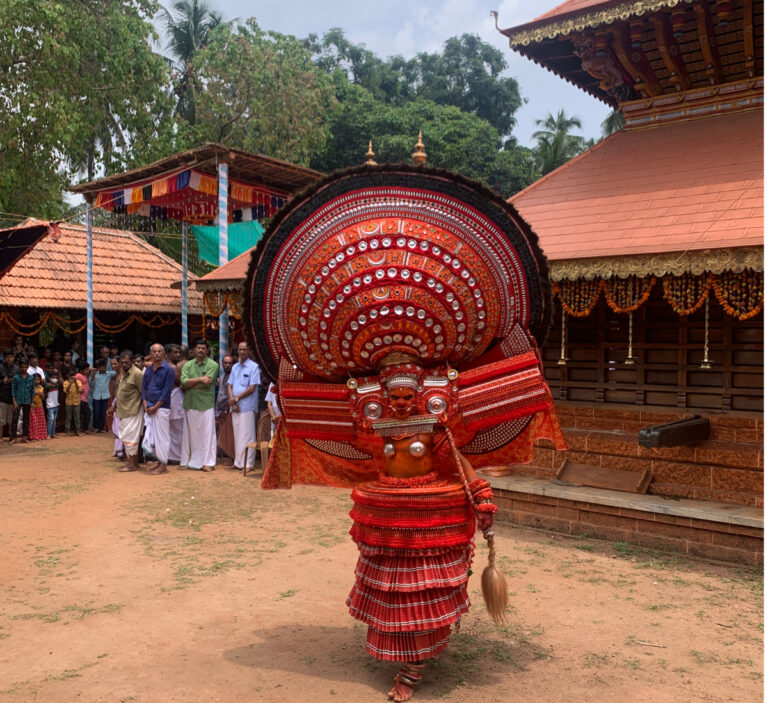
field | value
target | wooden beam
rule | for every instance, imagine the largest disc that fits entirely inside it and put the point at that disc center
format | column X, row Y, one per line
column 670, row 52
column 708, row 43
column 749, row 39
column 635, row 63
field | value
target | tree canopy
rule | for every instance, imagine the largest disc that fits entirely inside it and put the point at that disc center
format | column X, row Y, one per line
column 79, row 86
column 82, row 93
column 262, row 93
column 466, row 74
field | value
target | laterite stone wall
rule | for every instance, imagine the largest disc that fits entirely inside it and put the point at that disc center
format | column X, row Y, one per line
column 698, row 538
column 727, row 468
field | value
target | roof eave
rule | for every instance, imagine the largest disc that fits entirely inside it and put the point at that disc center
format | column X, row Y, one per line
column 550, row 27
column 188, row 159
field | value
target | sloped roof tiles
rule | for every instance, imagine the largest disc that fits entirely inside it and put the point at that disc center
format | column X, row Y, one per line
column 129, row 274
column 677, row 187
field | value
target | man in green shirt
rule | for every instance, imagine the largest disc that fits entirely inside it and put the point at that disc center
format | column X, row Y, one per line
column 198, row 441
column 130, row 410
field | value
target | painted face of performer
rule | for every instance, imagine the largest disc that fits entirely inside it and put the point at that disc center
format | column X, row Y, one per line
column 402, row 401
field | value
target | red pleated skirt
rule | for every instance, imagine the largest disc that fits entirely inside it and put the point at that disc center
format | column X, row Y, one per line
column 37, row 425
column 416, row 547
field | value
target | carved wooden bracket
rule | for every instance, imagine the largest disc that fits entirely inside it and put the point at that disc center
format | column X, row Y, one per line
column 599, row 61
column 636, row 63
column 709, row 44
column 749, row 39
column 670, row 52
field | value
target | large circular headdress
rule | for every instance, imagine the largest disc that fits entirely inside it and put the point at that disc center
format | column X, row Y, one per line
column 389, row 258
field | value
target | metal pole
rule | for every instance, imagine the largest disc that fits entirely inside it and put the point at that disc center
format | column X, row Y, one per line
column 184, row 263
column 223, row 257
column 89, row 280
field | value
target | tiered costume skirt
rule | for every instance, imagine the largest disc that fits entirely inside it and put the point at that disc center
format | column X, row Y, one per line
column 416, row 546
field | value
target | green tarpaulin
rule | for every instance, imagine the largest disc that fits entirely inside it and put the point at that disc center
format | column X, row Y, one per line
column 241, row 236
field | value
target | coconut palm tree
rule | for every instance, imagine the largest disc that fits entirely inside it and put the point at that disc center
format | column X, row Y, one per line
column 188, row 26
column 613, row 123
column 555, row 143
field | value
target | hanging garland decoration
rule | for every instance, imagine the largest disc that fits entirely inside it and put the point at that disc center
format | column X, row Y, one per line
column 625, row 295
column 687, row 293
column 235, row 299
column 68, row 326
column 215, row 302
column 740, row 294
column 578, row 297
column 72, row 327
column 22, row 328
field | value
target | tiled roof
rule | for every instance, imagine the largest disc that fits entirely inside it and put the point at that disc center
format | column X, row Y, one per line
column 679, row 187
column 226, row 275
column 129, row 274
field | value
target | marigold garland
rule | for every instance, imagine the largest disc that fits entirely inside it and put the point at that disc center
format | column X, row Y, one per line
column 235, row 299
column 578, row 297
column 740, row 294
column 625, row 295
column 687, row 293
column 216, row 302
column 71, row 327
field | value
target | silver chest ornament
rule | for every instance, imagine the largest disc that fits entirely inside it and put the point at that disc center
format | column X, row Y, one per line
column 417, row 449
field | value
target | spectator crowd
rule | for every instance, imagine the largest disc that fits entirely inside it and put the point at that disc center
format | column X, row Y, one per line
column 169, row 405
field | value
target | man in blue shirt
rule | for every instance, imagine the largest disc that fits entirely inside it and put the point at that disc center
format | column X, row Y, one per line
column 156, row 397
column 243, row 386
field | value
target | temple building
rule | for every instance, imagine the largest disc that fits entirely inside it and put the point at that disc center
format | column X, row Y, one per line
column 43, row 281
column 655, row 241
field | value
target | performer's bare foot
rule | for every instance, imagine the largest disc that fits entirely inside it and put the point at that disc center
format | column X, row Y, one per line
column 401, row 691
column 406, row 681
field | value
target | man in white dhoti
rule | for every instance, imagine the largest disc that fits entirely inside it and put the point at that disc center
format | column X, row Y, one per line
column 156, row 396
column 243, row 386
column 198, row 442
column 176, row 423
column 130, row 411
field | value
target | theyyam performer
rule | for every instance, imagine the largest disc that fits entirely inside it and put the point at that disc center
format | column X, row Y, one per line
column 398, row 309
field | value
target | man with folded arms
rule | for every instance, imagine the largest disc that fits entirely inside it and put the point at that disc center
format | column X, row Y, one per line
column 156, row 396
column 198, row 442
column 243, row 385
column 130, row 410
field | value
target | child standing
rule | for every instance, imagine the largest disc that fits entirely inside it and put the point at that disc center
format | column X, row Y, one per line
column 21, row 392
column 82, row 375
column 101, row 381
column 72, row 390
column 36, row 413
column 52, row 401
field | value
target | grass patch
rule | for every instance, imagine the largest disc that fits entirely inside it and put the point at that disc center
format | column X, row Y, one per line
column 69, row 613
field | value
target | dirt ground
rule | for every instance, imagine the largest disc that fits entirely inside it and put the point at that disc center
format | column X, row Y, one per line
column 202, row 587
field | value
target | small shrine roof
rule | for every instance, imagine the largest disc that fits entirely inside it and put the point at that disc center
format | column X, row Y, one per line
column 229, row 276
column 129, row 274
column 685, row 187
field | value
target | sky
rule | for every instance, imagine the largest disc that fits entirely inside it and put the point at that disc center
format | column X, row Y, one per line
column 407, row 27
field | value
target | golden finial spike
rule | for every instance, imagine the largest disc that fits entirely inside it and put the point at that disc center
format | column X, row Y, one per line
column 419, row 156
column 369, row 155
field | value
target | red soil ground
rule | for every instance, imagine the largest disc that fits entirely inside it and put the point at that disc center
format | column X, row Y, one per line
column 201, row 587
